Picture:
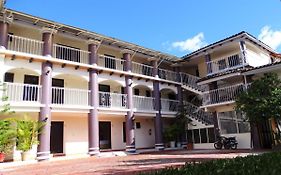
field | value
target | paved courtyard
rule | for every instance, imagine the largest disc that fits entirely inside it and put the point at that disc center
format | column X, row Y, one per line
column 132, row 164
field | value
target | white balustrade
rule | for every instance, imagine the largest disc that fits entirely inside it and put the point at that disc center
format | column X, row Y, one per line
column 111, row 63
column 112, row 100
column 222, row 95
column 70, row 96
column 70, row 54
column 168, row 105
column 223, row 64
column 198, row 113
column 167, row 75
column 142, row 69
column 143, row 103
column 25, row 45
column 18, row 92
column 191, row 80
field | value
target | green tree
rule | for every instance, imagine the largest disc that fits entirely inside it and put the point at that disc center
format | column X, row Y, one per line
column 261, row 102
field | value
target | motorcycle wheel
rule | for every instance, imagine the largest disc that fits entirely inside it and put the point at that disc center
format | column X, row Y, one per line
column 233, row 146
column 218, row 145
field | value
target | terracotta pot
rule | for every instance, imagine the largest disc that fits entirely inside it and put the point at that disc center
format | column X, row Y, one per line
column 2, row 157
column 27, row 155
column 189, row 146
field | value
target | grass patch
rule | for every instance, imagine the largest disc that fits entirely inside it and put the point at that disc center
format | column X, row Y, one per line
column 267, row 163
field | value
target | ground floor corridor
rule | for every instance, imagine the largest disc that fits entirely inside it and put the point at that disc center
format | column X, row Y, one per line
column 132, row 164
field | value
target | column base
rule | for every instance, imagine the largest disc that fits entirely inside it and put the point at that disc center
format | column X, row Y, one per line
column 184, row 145
column 131, row 149
column 94, row 151
column 43, row 156
column 159, row 146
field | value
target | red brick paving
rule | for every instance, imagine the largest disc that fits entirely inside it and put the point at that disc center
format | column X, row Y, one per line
column 132, row 164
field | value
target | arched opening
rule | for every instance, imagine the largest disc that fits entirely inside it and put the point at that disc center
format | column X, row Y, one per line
column 168, row 94
column 142, row 90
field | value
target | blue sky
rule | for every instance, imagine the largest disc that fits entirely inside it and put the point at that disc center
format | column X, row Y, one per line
column 176, row 27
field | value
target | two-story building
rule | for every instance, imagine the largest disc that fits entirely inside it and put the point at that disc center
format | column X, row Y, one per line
column 95, row 93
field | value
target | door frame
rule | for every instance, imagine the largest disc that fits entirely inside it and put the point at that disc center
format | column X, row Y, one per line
column 63, row 138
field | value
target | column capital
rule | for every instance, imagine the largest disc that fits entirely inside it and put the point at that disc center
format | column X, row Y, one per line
column 93, row 41
column 127, row 51
column 7, row 19
column 48, row 30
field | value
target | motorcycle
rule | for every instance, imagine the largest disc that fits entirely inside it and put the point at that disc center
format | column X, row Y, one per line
column 226, row 142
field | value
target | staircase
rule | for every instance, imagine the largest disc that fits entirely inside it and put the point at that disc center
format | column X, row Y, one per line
column 189, row 83
column 196, row 113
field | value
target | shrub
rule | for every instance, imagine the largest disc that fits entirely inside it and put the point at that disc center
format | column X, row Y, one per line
column 268, row 163
column 7, row 136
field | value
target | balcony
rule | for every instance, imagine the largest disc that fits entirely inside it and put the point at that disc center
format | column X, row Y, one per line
column 25, row 45
column 35, row 47
column 142, row 103
column 222, row 95
column 168, row 105
column 111, row 63
column 112, row 100
column 22, row 93
column 70, row 97
column 70, row 54
column 225, row 64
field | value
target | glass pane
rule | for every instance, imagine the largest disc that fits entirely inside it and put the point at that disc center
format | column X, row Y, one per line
column 203, row 134
column 211, row 134
column 243, row 127
column 196, row 136
column 228, row 126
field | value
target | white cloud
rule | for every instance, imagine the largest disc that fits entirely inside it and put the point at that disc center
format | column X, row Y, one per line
column 270, row 37
column 190, row 44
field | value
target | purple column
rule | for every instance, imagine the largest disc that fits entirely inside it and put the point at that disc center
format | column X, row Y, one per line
column 213, row 86
column 4, row 28
column 43, row 152
column 93, row 122
column 130, row 131
column 157, row 102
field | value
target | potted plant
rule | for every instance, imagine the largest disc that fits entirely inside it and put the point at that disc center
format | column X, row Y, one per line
column 170, row 134
column 27, row 136
column 7, row 138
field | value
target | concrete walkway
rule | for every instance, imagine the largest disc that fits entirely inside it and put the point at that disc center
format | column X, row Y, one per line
column 119, row 164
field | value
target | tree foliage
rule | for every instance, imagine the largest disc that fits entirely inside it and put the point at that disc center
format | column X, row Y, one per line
column 262, row 100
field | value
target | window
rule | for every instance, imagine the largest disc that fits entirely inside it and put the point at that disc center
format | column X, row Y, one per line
column 136, row 91
column 203, row 136
column 138, row 125
column 147, row 93
column 30, row 92
column 124, row 131
column 196, row 136
column 233, row 60
column 222, row 64
column 9, row 77
column 232, row 122
column 211, row 135
column 11, row 38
